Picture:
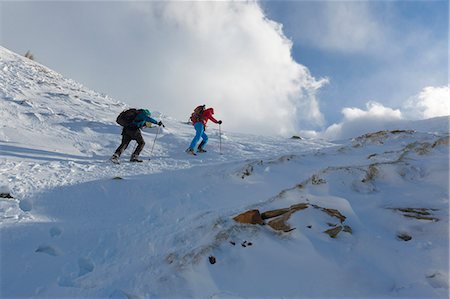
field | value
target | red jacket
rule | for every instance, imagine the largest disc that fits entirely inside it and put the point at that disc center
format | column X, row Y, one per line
column 207, row 114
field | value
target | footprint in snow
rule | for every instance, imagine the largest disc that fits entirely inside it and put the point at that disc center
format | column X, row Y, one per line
column 47, row 249
column 25, row 205
column 85, row 265
column 438, row 280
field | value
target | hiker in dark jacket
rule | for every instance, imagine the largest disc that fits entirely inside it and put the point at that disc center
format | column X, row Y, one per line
column 199, row 121
column 132, row 131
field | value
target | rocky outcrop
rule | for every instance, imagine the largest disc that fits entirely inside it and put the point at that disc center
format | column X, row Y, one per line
column 279, row 218
column 249, row 217
column 274, row 213
column 333, row 232
column 378, row 137
column 417, row 213
column 441, row 141
column 280, row 223
column 6, row 195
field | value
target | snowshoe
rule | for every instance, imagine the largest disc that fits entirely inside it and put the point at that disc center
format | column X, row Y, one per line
column 190, row 151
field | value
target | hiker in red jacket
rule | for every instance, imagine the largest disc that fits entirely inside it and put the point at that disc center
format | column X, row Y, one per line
column 199, row 118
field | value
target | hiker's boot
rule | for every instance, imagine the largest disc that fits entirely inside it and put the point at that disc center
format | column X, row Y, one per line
column 115, row 158
column 200, row 147
column 135, row 158
column 190, row 151
column 201, row 150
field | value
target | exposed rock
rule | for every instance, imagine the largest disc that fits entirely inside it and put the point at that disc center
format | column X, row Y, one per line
column 212, row 260
column 299, row 206
column 285, row 158
column 281, row 224
column 334, row 213
column 423, row 218
column 274, row 213
column 347, row 229
column 378, row 137
column 371, row 156
column 248, row 170
column 316, row 180
column 333, row 232
column 246, row 243
column 296, row 137
column 299, row 186
column 418, row 213
column 441, row 141
column 233, row 243
column 423, row 148
column 249, row 217
column 404, row 236
column 171, row 257
column 117, row 178
column 372, row 172
column 5, row 195
column 279, row 212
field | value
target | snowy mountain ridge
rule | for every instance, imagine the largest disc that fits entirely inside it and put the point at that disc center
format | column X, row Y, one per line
column 366, row 217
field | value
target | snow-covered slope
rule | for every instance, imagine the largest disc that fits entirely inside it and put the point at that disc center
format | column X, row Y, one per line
column 79, row 227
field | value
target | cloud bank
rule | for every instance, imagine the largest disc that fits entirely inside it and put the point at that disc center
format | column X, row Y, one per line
column 171, row 56
column 429, row 103
column 229, row 56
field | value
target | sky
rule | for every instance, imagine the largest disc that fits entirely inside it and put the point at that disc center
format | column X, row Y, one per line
column 269, row 67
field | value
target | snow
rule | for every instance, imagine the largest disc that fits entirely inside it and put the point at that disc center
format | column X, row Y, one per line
column 79, row 226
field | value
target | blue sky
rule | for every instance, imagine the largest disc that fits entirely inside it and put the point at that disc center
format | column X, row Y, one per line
column 387, row 69
column 368, row 58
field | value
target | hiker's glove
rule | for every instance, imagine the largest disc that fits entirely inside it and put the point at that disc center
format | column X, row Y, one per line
column 219, row 122
column 160, row 123
column 148, row 124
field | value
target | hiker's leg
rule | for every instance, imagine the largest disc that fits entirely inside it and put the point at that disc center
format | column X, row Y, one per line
column 204, row 140
column 199, row 129
column 140, row 141
column 126, row 138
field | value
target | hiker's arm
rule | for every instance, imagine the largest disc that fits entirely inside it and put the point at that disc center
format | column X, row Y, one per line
column 213, row 119
column 147, row 118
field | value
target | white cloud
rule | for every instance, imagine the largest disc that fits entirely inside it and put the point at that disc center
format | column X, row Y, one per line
column 170, row 56
column 430, row 102
column 357, row 121
column 227, row 55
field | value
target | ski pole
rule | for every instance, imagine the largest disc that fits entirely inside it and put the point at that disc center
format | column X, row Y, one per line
column 154, row 141
column 220, row 140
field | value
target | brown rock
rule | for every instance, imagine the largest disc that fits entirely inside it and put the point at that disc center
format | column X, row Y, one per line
column 333, row 232
column 348, row 229
column 299, row 206
column 334, row 213
column 441, row 141
column 281, row 224
column 274, row 213
column 249, row 217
